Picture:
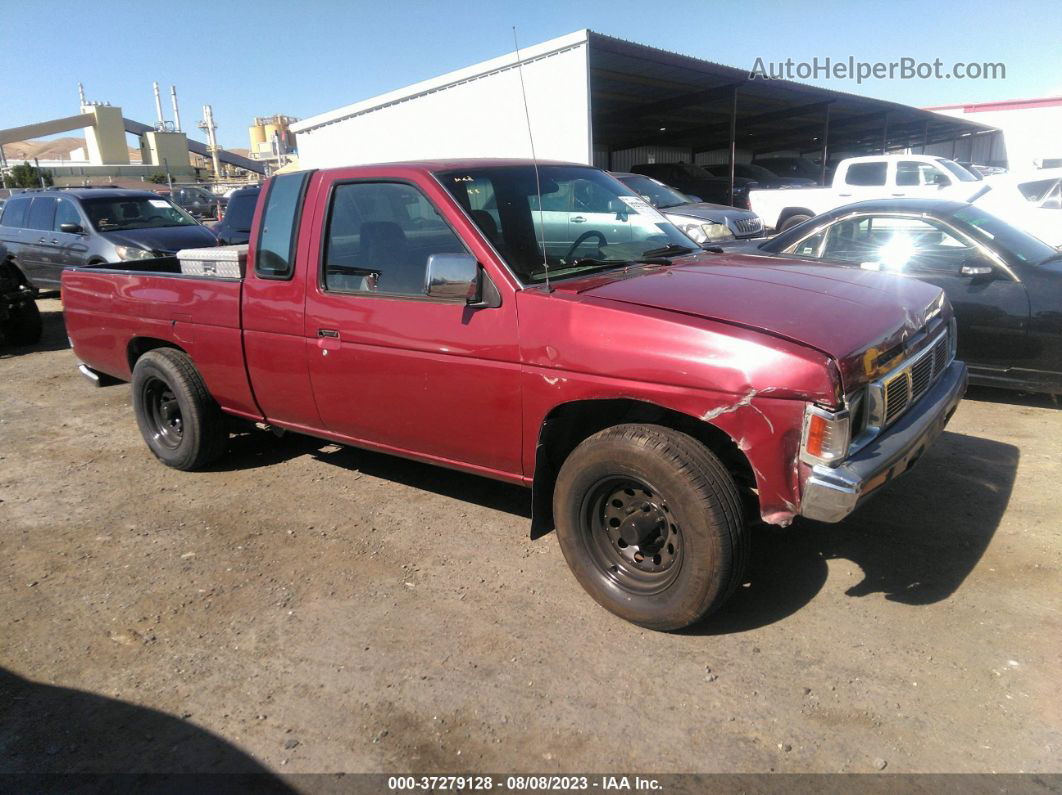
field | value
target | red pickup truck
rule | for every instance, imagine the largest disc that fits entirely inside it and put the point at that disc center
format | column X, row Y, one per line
column 541, row 325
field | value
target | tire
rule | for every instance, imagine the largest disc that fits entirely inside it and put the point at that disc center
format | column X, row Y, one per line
column 23, row 326
column 793, row 220
column 181, row 423
column 678, row 509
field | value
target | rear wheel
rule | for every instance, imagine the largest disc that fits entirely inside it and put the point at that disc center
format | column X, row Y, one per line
column 793, row 220
column 181, row 423
column 650, row 523
column 23, row 326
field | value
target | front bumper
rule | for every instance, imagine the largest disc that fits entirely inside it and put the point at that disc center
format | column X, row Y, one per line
column 832, row 493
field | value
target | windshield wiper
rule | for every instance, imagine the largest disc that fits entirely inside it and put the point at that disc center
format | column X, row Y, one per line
column 670, row 250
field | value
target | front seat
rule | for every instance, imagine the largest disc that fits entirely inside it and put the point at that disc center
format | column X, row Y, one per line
column 384, row 248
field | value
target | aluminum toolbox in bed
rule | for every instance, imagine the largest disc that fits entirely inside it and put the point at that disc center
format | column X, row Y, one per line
column 220, row 262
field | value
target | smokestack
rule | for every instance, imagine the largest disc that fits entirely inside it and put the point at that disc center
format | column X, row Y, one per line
column 176, row 110
column 210, row 127
column 81, row 94
column 158, row 107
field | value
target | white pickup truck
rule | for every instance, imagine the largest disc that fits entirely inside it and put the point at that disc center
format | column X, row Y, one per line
column 871, row 177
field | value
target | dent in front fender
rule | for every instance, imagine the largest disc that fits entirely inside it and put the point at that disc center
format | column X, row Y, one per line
column 767, row 431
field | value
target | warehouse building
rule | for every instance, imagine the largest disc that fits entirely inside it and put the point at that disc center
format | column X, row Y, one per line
column 604, row 101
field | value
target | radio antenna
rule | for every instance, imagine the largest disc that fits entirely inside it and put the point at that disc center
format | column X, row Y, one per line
column 534, row 160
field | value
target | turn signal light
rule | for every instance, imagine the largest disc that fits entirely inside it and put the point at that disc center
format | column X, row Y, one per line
column 826, row 436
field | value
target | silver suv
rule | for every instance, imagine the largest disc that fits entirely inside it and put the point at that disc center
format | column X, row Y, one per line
column 48, row 230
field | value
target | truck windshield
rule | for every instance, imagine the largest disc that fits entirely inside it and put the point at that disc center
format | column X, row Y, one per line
column 115, row 214
column 586, row 220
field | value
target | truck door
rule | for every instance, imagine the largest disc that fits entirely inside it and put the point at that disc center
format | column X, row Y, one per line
column 390, row 367
column 863, row 180
column 274, row 297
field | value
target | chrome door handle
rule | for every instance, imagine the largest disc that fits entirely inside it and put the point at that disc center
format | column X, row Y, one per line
column 55, row 242
column 578, row 220
column 40, row 240
column 327, row 332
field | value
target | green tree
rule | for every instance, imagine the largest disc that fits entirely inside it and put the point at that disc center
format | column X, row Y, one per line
column 26, row 176
column 158, row 178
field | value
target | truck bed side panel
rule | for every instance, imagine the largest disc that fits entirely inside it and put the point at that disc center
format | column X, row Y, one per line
column 106, row 310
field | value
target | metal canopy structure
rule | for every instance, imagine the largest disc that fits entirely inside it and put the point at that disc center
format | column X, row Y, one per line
column 643, row 96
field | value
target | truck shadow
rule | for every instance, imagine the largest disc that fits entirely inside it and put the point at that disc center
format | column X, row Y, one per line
column 62, row 739
column 53, row 337
column 258, row 449
column 916, row 542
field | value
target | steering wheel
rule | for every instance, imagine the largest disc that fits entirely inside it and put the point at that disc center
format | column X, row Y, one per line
column 582, row 238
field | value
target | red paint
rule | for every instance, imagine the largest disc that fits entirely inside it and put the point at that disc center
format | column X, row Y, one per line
column 730, row 340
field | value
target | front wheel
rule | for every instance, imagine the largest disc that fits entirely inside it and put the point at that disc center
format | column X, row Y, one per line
column 650, row 523
column 181, row 423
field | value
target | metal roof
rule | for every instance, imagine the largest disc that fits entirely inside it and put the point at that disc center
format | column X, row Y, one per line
column 636, row 90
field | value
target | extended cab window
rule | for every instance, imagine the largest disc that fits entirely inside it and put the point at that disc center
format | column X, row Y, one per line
column 380, row 236
column 275, row 252
column 866, row 174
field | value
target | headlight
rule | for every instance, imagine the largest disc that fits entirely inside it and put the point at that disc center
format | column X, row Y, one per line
column 826, row 435
column 702, row 231
column 133, row 252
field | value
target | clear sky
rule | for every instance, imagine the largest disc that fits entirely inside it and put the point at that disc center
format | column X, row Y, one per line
column 302, row 58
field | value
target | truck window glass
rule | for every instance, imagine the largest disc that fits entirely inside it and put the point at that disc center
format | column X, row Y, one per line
column 379, row 238
column 42, row 213
column 15, row 213
column 275, row 253
column 866, row 174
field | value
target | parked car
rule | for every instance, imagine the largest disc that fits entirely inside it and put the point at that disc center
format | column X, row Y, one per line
column 872, row 177
column 235, row 227
column 695, row 181
column 703, row 222
column 762, row 177
column 1031, row 201
column 1005, row 285
column 791, row 167
column 655, row 403
column 20, row 320
column 48, row 230
column 199, row 202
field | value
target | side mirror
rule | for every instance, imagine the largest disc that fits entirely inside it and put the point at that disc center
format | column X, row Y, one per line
column 71, row 229
column 452, row 277
column 619, row 208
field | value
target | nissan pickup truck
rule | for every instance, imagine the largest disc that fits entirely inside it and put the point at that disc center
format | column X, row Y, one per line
column 659, row 399
column 871, row 177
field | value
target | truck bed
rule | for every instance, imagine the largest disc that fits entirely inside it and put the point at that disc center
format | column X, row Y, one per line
column 113, row 311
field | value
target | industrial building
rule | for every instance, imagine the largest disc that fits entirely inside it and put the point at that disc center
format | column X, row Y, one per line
column 612, row 103
column 164, row 146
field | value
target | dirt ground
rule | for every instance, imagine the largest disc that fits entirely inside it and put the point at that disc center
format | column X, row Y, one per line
column 305, row 607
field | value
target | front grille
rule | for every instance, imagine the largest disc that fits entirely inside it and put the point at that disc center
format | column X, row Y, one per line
column 748, row 226
column 904, row 386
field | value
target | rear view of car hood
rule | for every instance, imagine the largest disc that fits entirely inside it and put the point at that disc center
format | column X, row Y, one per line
column 852, row 315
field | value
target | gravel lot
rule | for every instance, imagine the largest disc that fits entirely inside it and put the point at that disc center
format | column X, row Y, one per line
column 305, row 607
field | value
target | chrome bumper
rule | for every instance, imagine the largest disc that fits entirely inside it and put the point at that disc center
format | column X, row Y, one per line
column 832, row 493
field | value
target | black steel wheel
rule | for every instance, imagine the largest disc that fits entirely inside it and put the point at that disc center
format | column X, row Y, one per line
column 164, row 411
column 651, row 524
column 633, row 537
column 178, row 418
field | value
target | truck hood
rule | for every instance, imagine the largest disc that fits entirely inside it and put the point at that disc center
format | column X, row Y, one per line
column 165, row 239
column 850, row 314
